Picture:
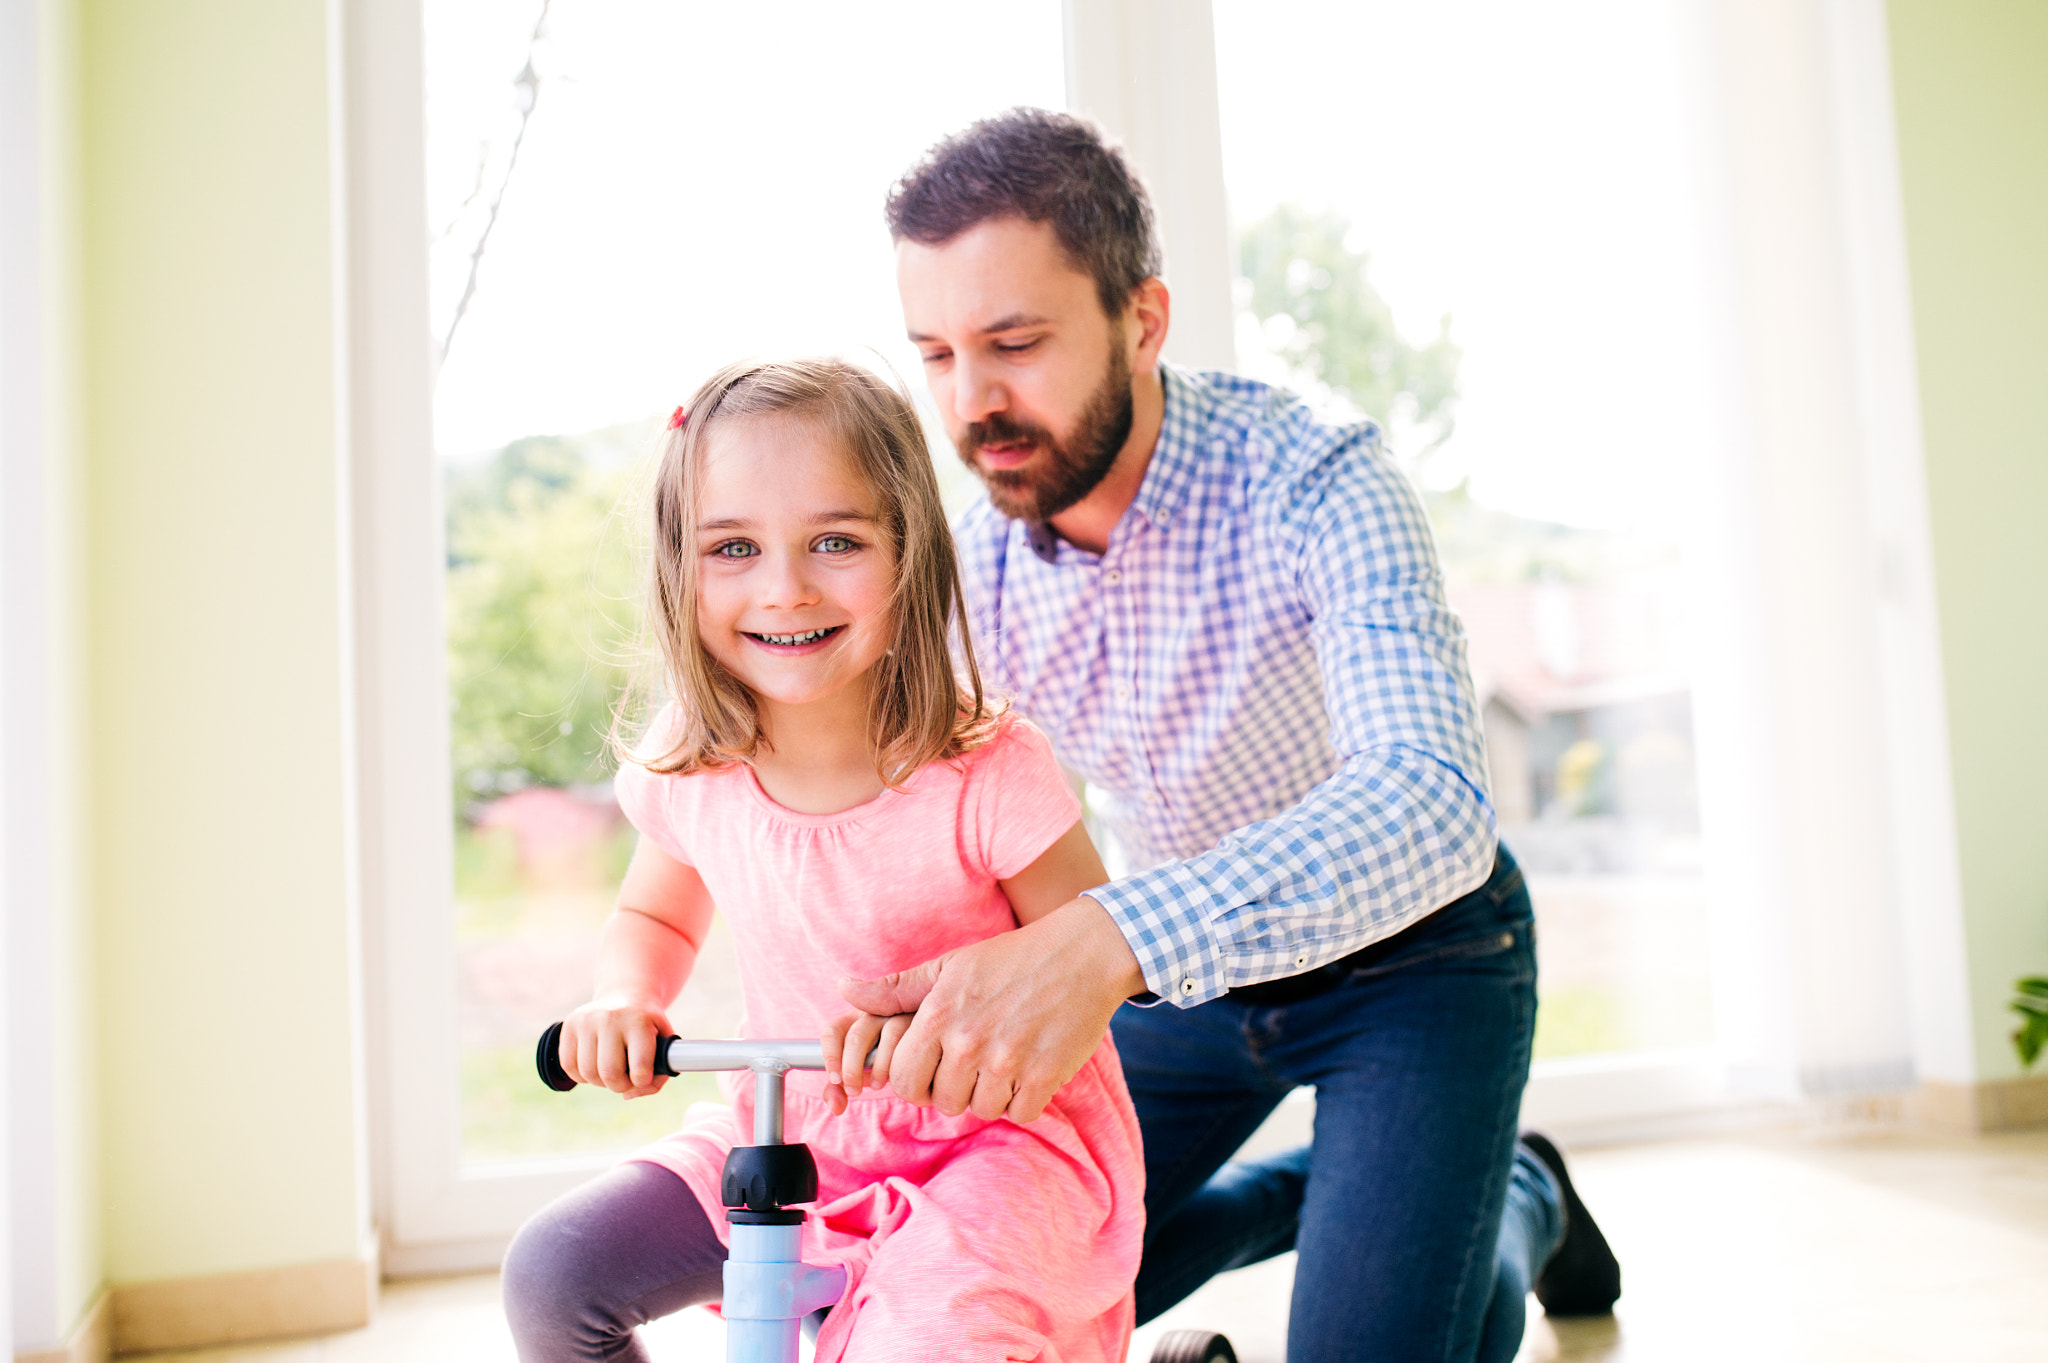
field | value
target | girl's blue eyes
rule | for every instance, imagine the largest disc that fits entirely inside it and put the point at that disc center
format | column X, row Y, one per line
column 735, row 550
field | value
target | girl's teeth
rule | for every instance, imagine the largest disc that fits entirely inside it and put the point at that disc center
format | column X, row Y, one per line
column 808, row 636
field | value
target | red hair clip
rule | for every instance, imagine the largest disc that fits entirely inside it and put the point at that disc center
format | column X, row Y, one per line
column 675, row 422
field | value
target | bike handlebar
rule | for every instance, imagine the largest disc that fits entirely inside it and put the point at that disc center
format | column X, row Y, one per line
column 673, row 1056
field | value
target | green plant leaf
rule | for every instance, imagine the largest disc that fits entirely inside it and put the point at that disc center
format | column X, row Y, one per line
column 2029, row 1037
column 2031, row 1003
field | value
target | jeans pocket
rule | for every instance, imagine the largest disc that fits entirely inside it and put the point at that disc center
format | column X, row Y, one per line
column 1437, row 953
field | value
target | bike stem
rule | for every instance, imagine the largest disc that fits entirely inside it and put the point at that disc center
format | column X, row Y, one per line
column 769, row 1289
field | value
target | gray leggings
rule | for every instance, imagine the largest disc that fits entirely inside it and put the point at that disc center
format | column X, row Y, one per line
column 628, row 1246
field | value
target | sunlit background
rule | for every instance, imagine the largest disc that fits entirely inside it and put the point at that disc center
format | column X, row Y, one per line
column 1471, row 221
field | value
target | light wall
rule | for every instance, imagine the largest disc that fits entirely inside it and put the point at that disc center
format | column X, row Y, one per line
column 219, row 756
column 1971, row 83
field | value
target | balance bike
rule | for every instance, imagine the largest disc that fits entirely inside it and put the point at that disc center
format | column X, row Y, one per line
column 768, row 1288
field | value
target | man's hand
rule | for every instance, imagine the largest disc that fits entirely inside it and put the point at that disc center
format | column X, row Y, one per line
column 1002, row 1024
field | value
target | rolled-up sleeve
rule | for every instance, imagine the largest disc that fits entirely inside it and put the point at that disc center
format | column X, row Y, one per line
column 1402, row 827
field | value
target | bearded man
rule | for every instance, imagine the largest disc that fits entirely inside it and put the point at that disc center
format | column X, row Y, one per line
column 1229, row 617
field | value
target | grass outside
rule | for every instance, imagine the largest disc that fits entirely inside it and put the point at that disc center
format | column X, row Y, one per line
column 508, row 1114
column 1622, row 969
column 1603, row 1019
column 527, row 922
column 1621, row 964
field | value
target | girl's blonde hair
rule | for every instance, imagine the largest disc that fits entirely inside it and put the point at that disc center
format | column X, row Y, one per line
column 920, row 708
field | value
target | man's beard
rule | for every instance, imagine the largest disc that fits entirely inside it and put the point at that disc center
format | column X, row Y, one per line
column 1071, row 469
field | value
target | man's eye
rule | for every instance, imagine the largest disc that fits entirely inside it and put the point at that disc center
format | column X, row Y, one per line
column 837, row 544
column 1018, row 347
column 734, row 549
column 936, row 356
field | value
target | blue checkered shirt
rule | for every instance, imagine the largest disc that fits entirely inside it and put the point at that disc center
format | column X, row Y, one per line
column 1261, row 683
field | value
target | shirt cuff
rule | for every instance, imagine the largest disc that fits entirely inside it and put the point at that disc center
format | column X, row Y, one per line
column 1166, row 915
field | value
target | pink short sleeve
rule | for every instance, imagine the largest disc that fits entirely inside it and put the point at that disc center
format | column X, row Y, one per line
column 648, row 800
column 644, row 799
column 1020, row 801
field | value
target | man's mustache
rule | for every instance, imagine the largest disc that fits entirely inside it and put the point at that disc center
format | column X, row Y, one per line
column 997, row 429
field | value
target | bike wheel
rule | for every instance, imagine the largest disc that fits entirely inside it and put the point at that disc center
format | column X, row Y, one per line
column 1193, row 1346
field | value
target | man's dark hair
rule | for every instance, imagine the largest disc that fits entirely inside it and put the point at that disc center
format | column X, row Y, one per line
column 1041, row 167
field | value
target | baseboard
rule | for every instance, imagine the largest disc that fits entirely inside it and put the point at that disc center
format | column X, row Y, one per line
column 233, row 1308
column 1993, row 1105
column 445, row 1257
column 90, row 1341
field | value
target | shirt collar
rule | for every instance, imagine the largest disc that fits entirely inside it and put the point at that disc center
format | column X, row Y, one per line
column 1175, row 457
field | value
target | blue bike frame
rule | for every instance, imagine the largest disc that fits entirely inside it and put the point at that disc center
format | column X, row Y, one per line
column 769, row 1289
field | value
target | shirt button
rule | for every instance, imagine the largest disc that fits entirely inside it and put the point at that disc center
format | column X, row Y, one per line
column 1112, row 577
column 1301, row 959
column 1122, row 692
column 1187, row 986
column 1151, row 797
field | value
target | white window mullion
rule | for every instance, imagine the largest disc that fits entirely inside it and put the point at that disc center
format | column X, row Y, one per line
column 433, row 1215
column 1146, row 71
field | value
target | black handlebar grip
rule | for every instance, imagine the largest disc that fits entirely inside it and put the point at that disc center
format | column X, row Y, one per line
column 547, row 1058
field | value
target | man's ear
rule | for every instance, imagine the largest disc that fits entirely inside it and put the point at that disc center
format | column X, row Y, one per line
column 1145, row 322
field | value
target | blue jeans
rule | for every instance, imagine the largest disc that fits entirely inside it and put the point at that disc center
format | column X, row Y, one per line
column 1420, row 1224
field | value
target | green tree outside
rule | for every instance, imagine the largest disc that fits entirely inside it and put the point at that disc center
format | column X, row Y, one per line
column 1321, row 315
column 1310, row 290
column 543, row 615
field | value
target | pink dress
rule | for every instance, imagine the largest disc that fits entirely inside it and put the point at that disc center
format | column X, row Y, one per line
column 964, row 1239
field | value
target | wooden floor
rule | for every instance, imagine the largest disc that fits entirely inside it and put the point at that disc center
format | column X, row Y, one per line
column 1869, row 1246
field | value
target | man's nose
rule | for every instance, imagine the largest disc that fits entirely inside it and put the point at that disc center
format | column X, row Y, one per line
column 977, row 391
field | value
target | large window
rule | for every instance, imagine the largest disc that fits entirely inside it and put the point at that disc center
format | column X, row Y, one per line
column 622, row 197
column 1478, row 222
column 1471, row 221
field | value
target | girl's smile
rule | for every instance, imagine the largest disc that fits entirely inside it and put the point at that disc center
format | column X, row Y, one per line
column 795, row 643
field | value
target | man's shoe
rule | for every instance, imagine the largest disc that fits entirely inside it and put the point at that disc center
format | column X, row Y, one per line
column 1583, row 1278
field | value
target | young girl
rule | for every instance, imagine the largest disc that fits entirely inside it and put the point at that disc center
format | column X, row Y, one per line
column 854, row 808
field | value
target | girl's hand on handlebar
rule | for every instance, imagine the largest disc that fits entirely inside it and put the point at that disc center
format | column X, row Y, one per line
column 611, row 1044
column 847, row 1042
